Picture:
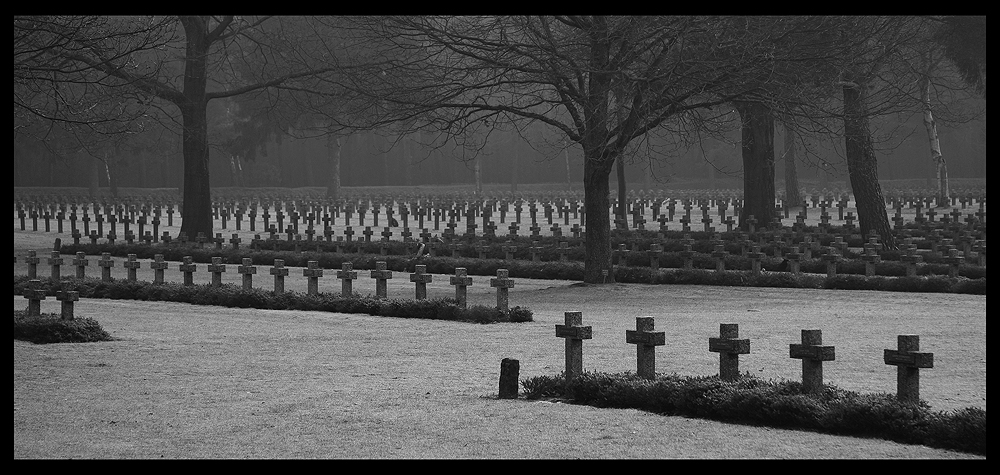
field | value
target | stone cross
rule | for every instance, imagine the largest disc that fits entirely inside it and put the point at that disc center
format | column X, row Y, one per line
column 729, row 346
column 32, row 261
column 461, row 280
column 55, row 260
column 719, row 254
column 188, row 268
column 347, row 275
column 247, row 270
column 813, row 353
column 654, row 252
column 421, row 278
column 216, row 268
column 158, row 265
column 67, row 297
column 832, row 257
column 502, row 283
column 574, row 332
column 35, row 294
column 313, row 272
column 106, row 264
column 132, row 265
column 81, row 265
column 646, row 341
column 908, row 361
column 279, row 271
column 381, row 275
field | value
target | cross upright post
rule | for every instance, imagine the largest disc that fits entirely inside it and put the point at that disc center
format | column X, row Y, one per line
column 279, row 271
column 313, row 272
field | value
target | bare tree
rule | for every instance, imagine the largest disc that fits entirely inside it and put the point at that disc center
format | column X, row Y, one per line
column 185, row 62
column 602, row 82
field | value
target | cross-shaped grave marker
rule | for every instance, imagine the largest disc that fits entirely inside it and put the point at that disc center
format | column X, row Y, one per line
column 133, row 267
column 247, row 270
column 461, row 281
column 347, row 275
column 106, row 264
column 729, row 346
column 312, row 272
column 908, row 361
column 813, row 353
column 420, row 278
column 502, row 283
column 574, row 332
column 646, row 341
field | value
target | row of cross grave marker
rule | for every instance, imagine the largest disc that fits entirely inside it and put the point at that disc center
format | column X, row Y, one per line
column 907, row 356
column 310, row 213
column 461, row 280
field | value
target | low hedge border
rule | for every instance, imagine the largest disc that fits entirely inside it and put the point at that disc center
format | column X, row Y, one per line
column 780, row 404
column 229, row 295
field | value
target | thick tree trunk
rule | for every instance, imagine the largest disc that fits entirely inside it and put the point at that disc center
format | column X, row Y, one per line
column 758, row 163
column 334, row 146
column 197, row 195
column 792, row 195
column 597, row 201
column 940, row 167
column 862, row 168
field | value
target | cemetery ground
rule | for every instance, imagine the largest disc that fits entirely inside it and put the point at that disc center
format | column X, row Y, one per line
column 184, row 381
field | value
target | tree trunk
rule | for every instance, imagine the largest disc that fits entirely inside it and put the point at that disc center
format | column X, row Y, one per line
column 758, row 163
column 597, row 200
column 792, row 195
column 197, row 195
column 333, row 185
column 940, row 167
column 862, row 168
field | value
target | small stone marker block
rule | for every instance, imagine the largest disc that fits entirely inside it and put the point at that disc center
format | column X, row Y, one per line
column 908, row 361
column 729, row 346
column 461, row 281
column 420, row 278
column 509, row 374
column 646, row 341
column 381, row 275
column 813, row 353
column 574, row 332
